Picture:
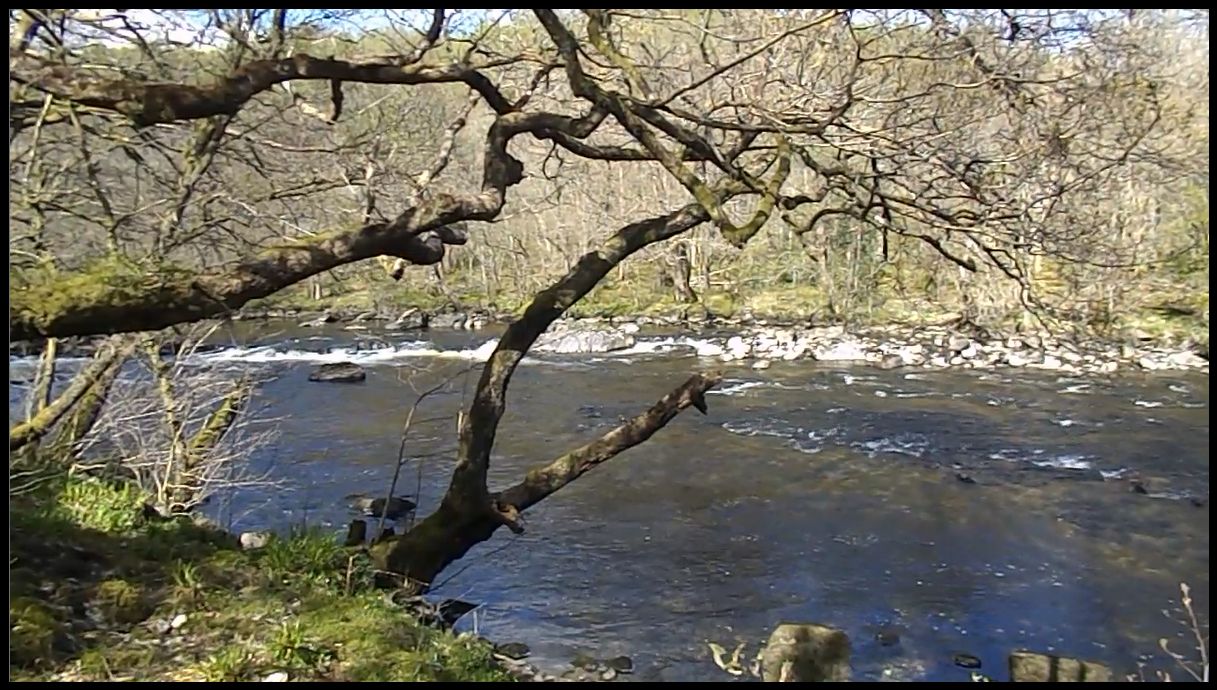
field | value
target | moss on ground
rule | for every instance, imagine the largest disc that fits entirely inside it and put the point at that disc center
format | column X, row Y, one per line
column 100, row 592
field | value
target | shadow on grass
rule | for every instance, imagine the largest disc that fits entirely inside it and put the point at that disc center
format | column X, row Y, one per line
column 100, row 590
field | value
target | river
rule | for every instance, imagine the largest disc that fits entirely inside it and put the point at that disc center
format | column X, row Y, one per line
column 961, row 510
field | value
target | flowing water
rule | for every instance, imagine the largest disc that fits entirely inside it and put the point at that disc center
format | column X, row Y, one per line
column 965, row 511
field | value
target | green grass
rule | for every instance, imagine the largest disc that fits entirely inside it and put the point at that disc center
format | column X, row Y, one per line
column 304, row 605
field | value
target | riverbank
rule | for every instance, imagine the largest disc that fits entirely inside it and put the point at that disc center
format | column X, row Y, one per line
column 101, row 591
column 948, row 343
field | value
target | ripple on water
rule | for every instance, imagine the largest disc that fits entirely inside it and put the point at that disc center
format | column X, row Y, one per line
column 699, row 535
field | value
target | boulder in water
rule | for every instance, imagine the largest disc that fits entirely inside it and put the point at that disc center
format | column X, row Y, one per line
column 454, row 321
column 513, row 650
column 398, row 507
column 1030, row 667
column 805, row 653
column 893, row 361
column 339, row 372
column 411, row 319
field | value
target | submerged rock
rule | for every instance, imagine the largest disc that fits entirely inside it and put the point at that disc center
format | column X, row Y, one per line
column 585, row 662
column 339, row 372
column 806, row 653
column 620, row 664
column 1031, row 667
column 887, row 637
column 966, row 661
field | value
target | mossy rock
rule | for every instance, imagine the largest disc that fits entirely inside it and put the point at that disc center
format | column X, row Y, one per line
column 122, row 602
column 33, row 629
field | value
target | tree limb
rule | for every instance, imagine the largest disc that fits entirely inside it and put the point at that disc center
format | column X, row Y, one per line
column 38, row 425
column 147, row 103
column 544, row 480
column 80, row 305
column 468, row 491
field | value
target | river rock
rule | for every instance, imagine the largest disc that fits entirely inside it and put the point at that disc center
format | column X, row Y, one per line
column 966, row 660
column 339, row 372
column 1017, row 359
column 585, row 662
column 620, row 664
column 254, row 540
column 958, row 343
column 319, row 321
column 513, row 650
column 844, row 351
column 453, row 321
column 1186, row 360
column 584, row 342
column 357, row 533
column 1030, row 667
column 410, row 319
column 737, row 348
column 398, row 507
column 761, row 364
column 809, row 652
column 887, row 637
column 892, row 361
column 1050, row 362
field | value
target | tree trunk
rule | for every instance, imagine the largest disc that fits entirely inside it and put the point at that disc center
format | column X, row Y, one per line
column 451, row 531
column 680, row 275
column 469, row 513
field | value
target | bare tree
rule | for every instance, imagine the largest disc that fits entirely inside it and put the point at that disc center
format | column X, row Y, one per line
column 977, row 137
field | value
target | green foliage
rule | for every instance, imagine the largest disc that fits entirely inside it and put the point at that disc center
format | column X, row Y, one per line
column 311, row 555
column 229, row 665
column 304, row 604
column 293, row 649
column 122, row 601
column 33, row 627
column 101, row 505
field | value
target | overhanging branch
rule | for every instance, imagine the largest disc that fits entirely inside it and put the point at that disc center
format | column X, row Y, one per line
column 544, row 480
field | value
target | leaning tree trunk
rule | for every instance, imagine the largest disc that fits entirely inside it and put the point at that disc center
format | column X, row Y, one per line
column 469, row 512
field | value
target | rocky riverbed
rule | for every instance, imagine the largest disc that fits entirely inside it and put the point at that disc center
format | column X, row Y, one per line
column 888, row 347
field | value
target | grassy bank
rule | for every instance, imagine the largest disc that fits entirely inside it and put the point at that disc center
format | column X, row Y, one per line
column 100, row 592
